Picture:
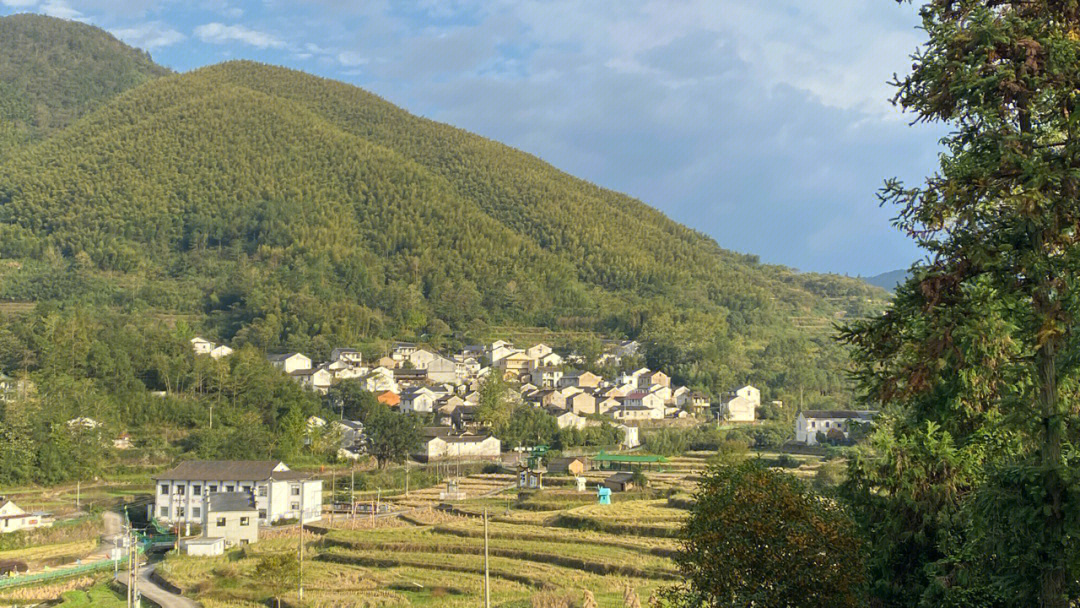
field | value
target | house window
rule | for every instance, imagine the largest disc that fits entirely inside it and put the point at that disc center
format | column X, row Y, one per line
column 212, row 489
column 164, row 489
column 295, row 506
column 196, row 511
column 180, row 490
column 245, row 521
column 826, row 424
column 179, row 511
column 229, row 488
column 247, row 488
column 163, row 512
column 262, row 513
column 813, row 425
column 262, row 490
column 196, row 490
column 296, row 490
column 221, row 522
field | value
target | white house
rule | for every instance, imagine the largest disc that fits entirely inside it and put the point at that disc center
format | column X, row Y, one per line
column 12, row 518
column 546, row 377
column 441, row 369
column 181, row 493
column 381, row 379
column 220, row 352
column 636, row 412
column 739, row 409
column 569, row 419
column 630, row 436
column 318, row 379
column 401, row 351
column 537, row 351
column 644, row 399
column 548, row 360
column 811, row 422
column 201, row 346
column 420, row 358
column 289, row 362
column 461, row 447
column 581, row 403
column 420, row 399
column 347, row 356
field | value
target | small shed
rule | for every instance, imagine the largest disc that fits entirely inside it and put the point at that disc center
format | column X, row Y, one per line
column 620, row 482
column 567, row 466
column 203, row 547
column 603, row 495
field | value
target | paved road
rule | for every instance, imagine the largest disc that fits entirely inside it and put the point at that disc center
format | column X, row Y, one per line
column 151, row 591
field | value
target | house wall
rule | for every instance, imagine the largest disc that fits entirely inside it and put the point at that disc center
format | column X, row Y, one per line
column 239, row 527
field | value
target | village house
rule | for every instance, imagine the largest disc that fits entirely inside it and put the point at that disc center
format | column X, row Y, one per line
column 630, row 438
column 420, row 358
column 631, row 413
column 231, row 516
column 549, row 398
column 567, row 419
column 622, row 481
column 742, row 407
column 631, row 378
column 570, row 465
column 547, row 376
column 548, row 360
column 401, row 351
column 181, row 492
column 441, row 369
column 699, row 401
column 347, row 356
column 388, row 398
column 201, row 346
column 418, row 400
column 644, row 399
column 461, row 447
column 607, row 405
column 289, row 362
column 319, row 379
column 12, row 518
column 380, row 379
column 220, row 351
column 514, row 365
column 503, row 350
column 581, row 403
column 12, row 389
column 580, row 380
column 811, row 422
column 648, row 379
column 537, row 351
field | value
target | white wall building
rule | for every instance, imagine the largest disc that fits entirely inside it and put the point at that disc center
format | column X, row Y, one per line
column 290, row 362
column 462, row 447
column 811, row 422
column 180, row 494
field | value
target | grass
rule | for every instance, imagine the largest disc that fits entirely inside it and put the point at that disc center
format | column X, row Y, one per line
column 100, row 595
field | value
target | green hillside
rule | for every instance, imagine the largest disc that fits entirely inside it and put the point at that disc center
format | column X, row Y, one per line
column 52, row 72
column 276, row 210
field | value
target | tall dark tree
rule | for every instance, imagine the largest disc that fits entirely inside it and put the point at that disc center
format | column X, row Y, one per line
column 982, row 341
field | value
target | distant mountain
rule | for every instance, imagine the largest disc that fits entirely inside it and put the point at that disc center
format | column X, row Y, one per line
column 52, row 72
column 888, row 280
column 290, row 211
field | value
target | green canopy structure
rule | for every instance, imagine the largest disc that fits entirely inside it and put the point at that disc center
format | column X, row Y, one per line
column 628, row 462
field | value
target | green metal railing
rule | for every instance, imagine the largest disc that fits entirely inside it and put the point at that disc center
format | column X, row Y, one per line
column 61, row 573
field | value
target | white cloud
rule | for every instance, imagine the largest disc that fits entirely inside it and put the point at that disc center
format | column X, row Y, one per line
column 219, row 33
column 19, row 3
column 149, row 35
column 52, row 8
column 351, row 58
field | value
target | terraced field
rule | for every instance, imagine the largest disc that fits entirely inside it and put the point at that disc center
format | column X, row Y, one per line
column 434, row 558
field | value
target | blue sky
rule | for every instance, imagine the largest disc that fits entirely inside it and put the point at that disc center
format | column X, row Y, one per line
column 763, row 124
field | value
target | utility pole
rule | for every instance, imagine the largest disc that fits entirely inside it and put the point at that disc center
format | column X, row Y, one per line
column 406, row 477
column 352, row 494
column 300, row 590
column 487, row 577
column 333, row 495
column 78, row 492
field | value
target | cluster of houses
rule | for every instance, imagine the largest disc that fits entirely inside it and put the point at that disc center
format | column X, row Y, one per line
column 415, row 378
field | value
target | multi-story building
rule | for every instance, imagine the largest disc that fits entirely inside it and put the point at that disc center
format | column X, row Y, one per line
column 180, row 494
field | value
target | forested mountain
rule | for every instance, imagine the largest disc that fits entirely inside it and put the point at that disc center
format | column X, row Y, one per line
column 277, row 210
column 888, row 280
column 52, row 72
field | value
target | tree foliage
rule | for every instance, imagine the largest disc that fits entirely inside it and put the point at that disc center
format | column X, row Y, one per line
column 757, row 537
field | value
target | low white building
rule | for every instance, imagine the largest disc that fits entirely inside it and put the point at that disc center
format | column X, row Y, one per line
column 180, row 494
column 739, row 409
column 12, row 518
column 636, row 412
column 462, row 447
column 418, row 400
column 811, row 422
column 629, row 436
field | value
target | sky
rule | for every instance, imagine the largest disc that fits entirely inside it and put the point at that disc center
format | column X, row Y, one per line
column 766, row 125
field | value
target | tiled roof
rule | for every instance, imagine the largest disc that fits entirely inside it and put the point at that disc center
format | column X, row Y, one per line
column 238, row 470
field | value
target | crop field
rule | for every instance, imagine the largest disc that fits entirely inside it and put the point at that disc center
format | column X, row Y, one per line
column 546, row 549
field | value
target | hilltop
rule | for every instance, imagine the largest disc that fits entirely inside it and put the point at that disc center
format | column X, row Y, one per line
column 52, row 72
column 284, row 210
